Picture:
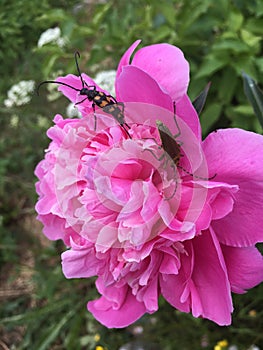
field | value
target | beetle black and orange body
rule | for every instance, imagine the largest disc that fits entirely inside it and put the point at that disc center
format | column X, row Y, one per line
column 98, row 98
column 107, row 102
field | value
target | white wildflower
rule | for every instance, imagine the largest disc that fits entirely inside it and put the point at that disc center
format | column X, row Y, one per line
column 20, row 93
column 72, row 111
column 106, row 80
column 14, row 120
column 51, row 35
column 137, row 330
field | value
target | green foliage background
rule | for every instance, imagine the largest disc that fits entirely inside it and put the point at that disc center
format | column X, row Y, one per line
column 220, row 40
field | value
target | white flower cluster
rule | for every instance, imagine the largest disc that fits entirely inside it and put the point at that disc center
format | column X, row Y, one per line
column 53, row 36
column 106, row 80
column 20, row 93
column 72, row 111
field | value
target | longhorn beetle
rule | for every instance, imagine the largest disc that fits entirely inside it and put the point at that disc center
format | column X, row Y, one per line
column 106, row 102
column 173, row 148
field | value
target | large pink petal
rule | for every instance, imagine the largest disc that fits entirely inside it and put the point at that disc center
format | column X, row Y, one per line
column 186, row 111
column 236, row 156
column 210, row 280
column 244, row 266
column 167, row 65
column 125, row 60
column 202, row 285
column 116, row 314
column 135, row 85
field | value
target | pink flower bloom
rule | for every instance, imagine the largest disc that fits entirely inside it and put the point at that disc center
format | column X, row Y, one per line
column 135, row 220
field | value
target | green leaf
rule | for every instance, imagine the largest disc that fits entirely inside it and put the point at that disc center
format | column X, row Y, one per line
column 210, row 116
column 53, row 16
column 55, row 330
column 254, row 25
column 100, row 15
column 226, row 84
column 235, row 20
column 49, row 64
column 199, row 102
column 259, row 63
column 231, row 45
column 211, row 64
column 250, row 39
column 254, row 95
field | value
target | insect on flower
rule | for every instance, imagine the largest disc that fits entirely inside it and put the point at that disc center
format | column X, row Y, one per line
column 106, row 102
column 169, row 143
column 111, row 212
column 172, row 148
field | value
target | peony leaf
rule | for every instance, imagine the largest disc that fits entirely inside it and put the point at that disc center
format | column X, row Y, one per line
column 199, row 102
column 254, row 95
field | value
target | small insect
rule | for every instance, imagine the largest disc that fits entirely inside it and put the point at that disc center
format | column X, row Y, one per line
column 169, row 143
column 106, row 102
column 172, row 147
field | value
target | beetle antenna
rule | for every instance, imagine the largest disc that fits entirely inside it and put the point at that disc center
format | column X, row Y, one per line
column 77, row 55
column 55, row 82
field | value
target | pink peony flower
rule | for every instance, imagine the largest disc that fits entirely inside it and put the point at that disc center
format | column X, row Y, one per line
column 133, row 218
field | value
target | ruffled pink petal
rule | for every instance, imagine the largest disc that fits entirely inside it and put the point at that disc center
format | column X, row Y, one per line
column 236, row 156
column 244, row 266
column 166, row 64
column 54, row 226
column 115, row 312
column 149, row 295
column 81, row 263
column 173, row 285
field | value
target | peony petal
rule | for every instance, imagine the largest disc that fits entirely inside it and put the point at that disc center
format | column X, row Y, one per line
column 81, row 263
column 236, row 156
column 149, row 295
column 186, row 111
column 166, row 64
column 135, row 85
column 244, row 266
column 173, row 285
column 125, row 60
column 106, row 312
column 54, row 226
column 202, row 283
column 171, row 263
column 74, row 96
column 210, row 281
column 138, row 87
column 71, row 80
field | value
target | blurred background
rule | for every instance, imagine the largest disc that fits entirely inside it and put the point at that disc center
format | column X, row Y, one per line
column 39, row 308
